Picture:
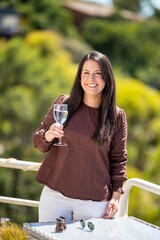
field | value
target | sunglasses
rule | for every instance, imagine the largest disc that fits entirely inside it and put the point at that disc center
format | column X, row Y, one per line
column 89, row 224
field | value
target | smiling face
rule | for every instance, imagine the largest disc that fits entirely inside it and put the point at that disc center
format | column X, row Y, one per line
column 92, row 81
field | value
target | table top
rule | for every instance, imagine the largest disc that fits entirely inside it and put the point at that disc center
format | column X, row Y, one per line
column 112, row 229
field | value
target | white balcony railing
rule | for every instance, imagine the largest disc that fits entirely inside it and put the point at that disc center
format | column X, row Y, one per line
column 25, row 166
column 135, row 182
column 33, row 166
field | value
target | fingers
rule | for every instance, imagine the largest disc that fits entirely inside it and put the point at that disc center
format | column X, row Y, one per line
column 110, row 214
column 110, row 211
column 55, row 131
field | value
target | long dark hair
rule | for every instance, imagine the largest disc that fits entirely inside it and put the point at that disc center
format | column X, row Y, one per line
column 107, row 109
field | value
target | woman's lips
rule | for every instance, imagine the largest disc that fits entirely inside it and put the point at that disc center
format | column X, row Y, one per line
column 92, row 85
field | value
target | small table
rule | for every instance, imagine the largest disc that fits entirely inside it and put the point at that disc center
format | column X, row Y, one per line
column 119, row 228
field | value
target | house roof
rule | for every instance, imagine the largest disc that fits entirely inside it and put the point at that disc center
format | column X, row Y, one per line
column 89, row 8
column 92, row 9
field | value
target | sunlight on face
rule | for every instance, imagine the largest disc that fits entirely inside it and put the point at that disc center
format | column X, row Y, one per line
column 92, row 81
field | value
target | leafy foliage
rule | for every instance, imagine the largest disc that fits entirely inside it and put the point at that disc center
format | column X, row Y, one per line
column 46, row 14
column 29, row 79
column 130, row 46
column 35, row 75
column 141, row 104
column 129, row 5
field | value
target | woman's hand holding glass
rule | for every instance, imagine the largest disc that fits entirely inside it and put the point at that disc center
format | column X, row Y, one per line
column 60, row 113
column 55, row 131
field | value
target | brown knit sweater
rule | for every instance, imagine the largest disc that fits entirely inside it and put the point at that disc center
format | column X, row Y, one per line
column 83, row 169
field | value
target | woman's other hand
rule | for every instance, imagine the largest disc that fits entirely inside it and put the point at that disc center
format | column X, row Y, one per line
column 113, row 205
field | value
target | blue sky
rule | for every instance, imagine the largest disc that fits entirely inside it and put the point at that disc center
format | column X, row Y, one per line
column 156, row 3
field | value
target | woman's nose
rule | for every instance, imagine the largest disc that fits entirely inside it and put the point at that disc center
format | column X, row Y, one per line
column 93, row 77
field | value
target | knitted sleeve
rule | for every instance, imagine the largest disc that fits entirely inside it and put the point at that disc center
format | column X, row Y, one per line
column 38, row 138
column 118, row 152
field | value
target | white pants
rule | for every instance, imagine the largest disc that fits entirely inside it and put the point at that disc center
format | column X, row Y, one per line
column 53, row 204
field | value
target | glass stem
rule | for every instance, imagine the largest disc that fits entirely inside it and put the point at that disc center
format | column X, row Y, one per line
column 60, row 140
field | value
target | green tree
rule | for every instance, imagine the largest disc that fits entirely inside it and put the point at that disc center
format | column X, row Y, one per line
column 157, row 13
column 44, row 14
column 129, row 5
column 34, row 71
column 142, row 106
column 131, row 46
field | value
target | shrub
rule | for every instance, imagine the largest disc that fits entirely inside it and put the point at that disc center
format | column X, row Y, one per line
column 13, row 232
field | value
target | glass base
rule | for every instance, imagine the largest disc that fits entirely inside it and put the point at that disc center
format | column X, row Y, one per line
column 60, row 144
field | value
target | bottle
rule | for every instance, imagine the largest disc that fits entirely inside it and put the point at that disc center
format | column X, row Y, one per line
column 63, row 218
column 59, row 225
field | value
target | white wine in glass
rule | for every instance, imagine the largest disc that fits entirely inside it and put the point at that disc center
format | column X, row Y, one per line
column 60, row 113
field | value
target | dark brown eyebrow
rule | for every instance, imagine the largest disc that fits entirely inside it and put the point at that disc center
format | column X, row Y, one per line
column 95, row 71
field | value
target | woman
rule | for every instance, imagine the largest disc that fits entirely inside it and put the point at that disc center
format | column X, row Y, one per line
column 84, row 179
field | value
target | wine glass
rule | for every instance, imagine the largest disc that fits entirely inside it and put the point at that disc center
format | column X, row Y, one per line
column 60, row 113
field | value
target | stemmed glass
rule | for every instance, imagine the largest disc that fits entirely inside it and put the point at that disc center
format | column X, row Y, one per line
column 60, row 113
